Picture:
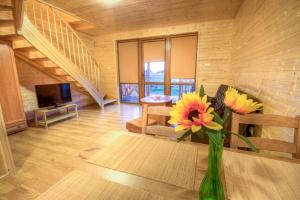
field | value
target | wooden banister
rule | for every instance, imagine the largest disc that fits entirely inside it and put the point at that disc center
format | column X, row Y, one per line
column 62, row 36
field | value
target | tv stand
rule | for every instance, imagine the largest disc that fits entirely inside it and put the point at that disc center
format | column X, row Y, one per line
column 46, row 116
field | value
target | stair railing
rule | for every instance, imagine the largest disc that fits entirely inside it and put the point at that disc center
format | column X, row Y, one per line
column 63, row 37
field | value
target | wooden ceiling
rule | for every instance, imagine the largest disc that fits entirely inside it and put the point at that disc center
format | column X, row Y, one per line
column 124, row 15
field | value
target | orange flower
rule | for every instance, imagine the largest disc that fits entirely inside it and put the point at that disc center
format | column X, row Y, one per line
column 193, row 112
column 239, row 102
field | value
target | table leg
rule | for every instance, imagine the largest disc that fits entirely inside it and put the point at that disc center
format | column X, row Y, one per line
column 36, row 119
column 45, row 120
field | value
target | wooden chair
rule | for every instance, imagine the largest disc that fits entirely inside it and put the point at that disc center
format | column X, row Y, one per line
column 158, row 130
column 265, row 143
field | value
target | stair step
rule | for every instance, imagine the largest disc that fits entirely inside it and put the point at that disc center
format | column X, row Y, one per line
column 32, row 54
column 6, row 15
column 109, row 101
column 60, row 72
column 69, row 79
column 78, row 85
column 6, row 7
column 11, row 37
column 20, row 43
column 46, row 63
column 4, row 22
column 39, row 58
column 25, row 49
column 6, row 3
column 7, row 28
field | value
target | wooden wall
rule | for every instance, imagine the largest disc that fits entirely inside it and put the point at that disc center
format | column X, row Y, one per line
column 29, row 76
column 266, row 57
column 214, row 52
column 258, row 51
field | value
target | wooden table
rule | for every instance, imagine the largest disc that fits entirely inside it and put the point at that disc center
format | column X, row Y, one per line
column 247, row 176
column 157, row 100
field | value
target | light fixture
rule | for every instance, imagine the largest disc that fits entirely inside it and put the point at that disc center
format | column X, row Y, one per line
column 109, row 2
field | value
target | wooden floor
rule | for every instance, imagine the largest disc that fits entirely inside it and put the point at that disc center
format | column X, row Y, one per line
column 43, row 157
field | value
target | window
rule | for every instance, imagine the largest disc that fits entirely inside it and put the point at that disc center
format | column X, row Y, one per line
column 163, row 65
column 154, row 71
column 129, row 93
column 128, row 68
column 180, row 86
column 154, row 89
column 183, row 65
column 154, row 67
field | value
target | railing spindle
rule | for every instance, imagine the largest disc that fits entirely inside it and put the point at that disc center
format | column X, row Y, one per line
column 56, row 34
column 70, row 56
column 78, row 54
column 49, row 26
column 87, row 64
column 84, row 65
column 33, row 10
column 62, row 36
column 74, row 50
column 42, row 19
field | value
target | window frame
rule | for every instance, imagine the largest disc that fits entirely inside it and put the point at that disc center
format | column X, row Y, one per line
column 167, row 74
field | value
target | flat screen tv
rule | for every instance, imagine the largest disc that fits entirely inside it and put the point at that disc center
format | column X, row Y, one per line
column 53, row 94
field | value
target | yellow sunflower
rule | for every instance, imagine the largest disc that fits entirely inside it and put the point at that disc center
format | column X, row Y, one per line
column 193, row 112
column 239, row 103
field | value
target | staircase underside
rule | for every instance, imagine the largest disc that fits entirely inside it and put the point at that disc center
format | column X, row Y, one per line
column 33, row 47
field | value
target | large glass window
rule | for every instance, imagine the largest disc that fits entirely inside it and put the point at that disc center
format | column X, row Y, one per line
column 129, row 93
column 154, row 67
column 154, row 71
column 163, row 65
column 128, row 68
column 154, row 89
column 180, row 86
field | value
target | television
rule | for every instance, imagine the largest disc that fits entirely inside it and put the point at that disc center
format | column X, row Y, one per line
column 53, row 95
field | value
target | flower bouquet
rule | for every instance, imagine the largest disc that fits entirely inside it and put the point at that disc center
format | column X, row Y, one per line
column 194, row 114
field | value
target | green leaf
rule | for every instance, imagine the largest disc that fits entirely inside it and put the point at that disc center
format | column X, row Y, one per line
column 245, row 139
column 201, row 91
column 185, row 135
column 215, row 137
column 217, row 118
column 200, row 133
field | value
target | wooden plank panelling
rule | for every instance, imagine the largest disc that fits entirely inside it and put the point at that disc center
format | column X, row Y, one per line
column 29, row 76
column 265, row 57
column 214, row 52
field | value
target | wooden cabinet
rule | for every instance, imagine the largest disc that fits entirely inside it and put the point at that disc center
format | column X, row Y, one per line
column 10, row 95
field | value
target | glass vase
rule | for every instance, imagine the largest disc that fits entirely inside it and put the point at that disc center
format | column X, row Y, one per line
column 211, row 187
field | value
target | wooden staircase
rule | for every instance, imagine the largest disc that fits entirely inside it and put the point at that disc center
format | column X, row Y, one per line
column 25, row 51
column 7, row 23
column 49, row 43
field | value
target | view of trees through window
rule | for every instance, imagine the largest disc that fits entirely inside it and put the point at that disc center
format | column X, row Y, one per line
column 154, row 72
column 129, row 93
column 181, row 86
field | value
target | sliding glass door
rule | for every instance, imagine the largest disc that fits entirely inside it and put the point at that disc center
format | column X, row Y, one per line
column 128, row 71
column 157, row 66
column 153, row 57
column 183, row 64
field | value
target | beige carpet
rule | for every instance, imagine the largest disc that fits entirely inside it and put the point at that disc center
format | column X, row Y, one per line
column 160, row 160
column 79, row 185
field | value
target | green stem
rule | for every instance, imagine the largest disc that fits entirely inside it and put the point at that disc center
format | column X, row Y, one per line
column 211, row 187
